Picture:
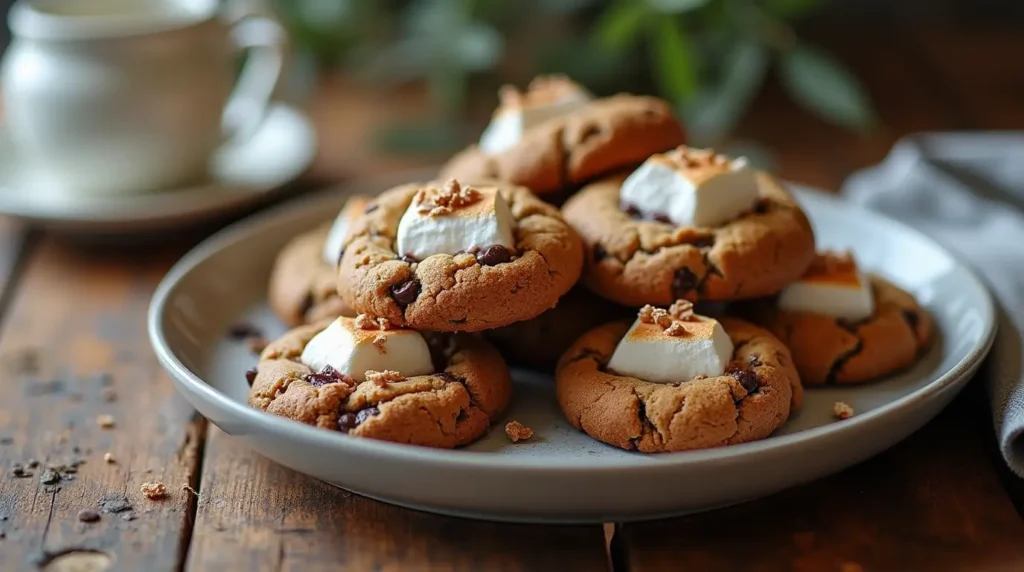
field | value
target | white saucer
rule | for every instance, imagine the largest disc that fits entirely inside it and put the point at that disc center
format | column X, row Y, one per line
column 561, row 475
column 242, row 173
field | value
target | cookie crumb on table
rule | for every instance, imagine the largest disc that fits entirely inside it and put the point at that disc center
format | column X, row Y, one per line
column 842, row 410
column 517, row 432
column 154, row 491
column 382, row 378
column 109, row 458
column 106, row 421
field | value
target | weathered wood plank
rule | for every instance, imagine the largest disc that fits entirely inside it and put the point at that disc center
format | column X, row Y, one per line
column 256, row 515
column 73, row 349
column 934, row 502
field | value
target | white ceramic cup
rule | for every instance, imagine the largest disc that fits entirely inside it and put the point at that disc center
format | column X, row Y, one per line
column 131, row 96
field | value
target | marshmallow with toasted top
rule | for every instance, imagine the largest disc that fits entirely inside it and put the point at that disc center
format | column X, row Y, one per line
column 353, row 347
column 832, row 286
column 691, row 187
column 455, row 218
column 546, row 98
column 661, row 348
column 333, row 246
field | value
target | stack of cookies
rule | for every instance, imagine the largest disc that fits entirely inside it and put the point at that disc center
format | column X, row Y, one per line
column 676, row 295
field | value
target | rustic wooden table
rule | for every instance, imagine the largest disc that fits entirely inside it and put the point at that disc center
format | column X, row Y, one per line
column 73, row 347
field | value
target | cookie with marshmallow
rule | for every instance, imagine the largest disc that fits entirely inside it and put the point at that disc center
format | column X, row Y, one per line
column 556, row 135
column 673, row 380
column 366, row 377
column 454, row 256
column 303, row 281
column 843, row 324
column 692, row 224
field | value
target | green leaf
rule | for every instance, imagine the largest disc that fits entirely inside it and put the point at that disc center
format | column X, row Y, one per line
column 620, row 24
column 716, row 110
column 822, row 84
column 789, row 8
column 676, row 6
column 674, row 65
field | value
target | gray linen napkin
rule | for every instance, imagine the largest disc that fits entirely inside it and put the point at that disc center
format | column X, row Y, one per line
column 966, row 190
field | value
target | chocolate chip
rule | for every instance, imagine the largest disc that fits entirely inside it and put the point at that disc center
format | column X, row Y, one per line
column 409, row 259
column 326, row 376
column 704, row 241
column 747, row 377
column 88, row 515
column 683, row 282
column 493, row 255
column 631, row 210
column 406, row 292
column 912, row 319
column 250, row 375
column 755, row 361
column 661, row 217
column 762, row 206
column 365, row 414
column 599, row 253
column 370, row 208
column 347, row 422
column 243, row 330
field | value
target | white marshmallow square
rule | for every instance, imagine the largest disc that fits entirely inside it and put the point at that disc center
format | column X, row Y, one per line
column 838, row 290
column 546, row 99
column 335, row 242
column 691, row 188
column 648, row 353
column 353, row 351
column 486, row 222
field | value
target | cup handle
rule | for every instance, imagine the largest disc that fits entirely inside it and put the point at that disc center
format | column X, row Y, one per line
column 264, row 38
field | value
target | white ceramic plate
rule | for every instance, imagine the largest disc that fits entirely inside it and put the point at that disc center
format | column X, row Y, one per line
column 562, row 475
column 242, row 173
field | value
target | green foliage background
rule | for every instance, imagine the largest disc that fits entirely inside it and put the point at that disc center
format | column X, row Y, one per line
column 708, row 57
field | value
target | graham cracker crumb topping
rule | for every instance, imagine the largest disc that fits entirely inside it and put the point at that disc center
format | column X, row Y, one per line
column 670, row 320
column 688, row 158
column 154, row 491
column 842, row 410
column 382, row 378
column 378, row 342
column 367, row 322
column 450, row 197
column 517, row 432
column 830, row 263
column 682, row 310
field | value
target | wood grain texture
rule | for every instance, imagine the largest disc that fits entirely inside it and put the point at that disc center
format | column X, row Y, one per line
column 256, row 515
column 934, row 502
column 74, row 348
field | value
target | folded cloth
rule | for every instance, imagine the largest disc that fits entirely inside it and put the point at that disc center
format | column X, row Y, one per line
column 966, row 190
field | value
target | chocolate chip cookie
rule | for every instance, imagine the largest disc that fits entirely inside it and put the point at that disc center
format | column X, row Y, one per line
column 303, row 287
column 451, row 408
column 753, row 398
column 564, row 152
column 828, row 350
column 636, row 261
column 539, row 342
column 467, row 291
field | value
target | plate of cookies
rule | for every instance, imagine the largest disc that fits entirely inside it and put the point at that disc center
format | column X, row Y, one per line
column 578, row 319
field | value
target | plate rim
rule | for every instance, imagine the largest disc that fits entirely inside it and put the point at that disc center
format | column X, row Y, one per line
column 189, row 382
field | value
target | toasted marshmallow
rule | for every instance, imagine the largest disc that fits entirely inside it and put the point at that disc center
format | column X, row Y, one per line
column 691, row 187
column 832, row 286
column 455, row 218
column 354, row 208
column 661, row 348
column 353, row 350
column 546, row 98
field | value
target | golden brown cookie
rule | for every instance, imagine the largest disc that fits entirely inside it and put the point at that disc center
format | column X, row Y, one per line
column 539, row 342
column 303, row 287
column 748, row 403
column 636, row 262
column 447, row 409
column 461, row 292
column 608, row 134
column 827, row 350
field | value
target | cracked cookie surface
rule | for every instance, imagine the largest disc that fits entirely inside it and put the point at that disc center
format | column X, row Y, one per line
column 827, row 350
column 457, row 292
column 451, row 408
column 303, row 288
column 636, row 262
column 608, row 134
column 747, row 404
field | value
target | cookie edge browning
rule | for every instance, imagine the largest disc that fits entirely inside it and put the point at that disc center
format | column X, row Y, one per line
column 639, row 415
column 455, row 292
column 301, row 289
column 608, row 134
column 882, row 345
column 475, row 380
column 636, row 262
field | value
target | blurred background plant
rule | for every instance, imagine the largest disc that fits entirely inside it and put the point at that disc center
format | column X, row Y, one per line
column 708, row 57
